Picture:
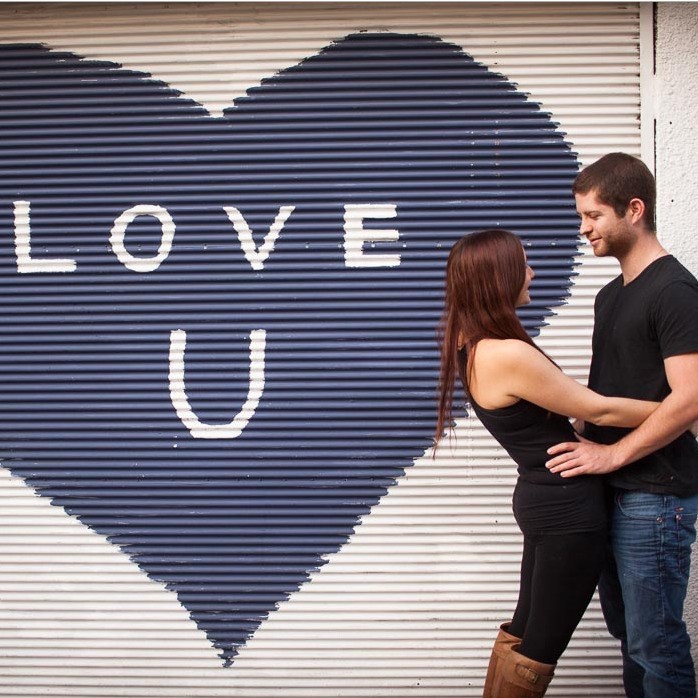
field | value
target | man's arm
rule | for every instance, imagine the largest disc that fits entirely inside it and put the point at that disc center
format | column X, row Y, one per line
column 674, row 416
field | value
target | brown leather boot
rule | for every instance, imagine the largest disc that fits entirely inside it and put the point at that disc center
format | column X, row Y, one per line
column 502, row 644
column 521, row 677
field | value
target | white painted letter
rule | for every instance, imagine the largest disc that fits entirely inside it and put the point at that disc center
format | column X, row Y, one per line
column 118, row 233
column 257, row 256
column 23, row 248
column 199, row 430
column 355, row 236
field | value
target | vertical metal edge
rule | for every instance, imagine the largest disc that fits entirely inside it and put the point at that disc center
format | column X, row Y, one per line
column 647, row 91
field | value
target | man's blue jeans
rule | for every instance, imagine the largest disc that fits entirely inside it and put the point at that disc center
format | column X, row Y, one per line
column 643, row 593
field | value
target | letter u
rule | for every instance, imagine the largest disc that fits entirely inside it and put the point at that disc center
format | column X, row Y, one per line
column 198, row 429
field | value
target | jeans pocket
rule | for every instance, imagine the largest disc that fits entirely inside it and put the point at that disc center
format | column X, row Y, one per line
column 686, row 507
column 642, row 506
column 684, row 511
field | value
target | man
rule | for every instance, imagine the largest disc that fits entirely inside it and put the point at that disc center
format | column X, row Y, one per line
column 645, row 345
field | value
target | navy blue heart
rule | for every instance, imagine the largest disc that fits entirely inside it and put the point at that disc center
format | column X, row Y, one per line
column 235, row 526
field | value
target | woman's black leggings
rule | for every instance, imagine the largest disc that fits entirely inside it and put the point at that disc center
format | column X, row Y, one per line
column 559, row 573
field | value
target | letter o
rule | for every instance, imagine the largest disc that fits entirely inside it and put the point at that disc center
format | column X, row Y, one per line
column 118, row 235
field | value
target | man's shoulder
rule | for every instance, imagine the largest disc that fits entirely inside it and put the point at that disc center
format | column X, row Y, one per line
column 673, row 279
column 609, row 289
column 675, row 271
column 665, row 269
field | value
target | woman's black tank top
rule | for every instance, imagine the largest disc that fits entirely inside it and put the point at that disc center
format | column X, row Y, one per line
column 526, row 431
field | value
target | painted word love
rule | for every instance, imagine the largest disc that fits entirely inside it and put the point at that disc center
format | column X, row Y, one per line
column 355, row 236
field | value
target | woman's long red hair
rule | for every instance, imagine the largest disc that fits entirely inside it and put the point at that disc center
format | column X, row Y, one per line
column 485, row 273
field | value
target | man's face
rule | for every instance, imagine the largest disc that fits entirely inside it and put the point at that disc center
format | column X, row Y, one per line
column 607, row 233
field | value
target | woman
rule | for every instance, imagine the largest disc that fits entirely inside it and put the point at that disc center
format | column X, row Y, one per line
column 520, row 396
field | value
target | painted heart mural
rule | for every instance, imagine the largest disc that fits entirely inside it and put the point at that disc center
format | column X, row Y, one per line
column 218, row 334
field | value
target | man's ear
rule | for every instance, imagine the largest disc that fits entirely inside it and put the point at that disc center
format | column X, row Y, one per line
column 636, row 210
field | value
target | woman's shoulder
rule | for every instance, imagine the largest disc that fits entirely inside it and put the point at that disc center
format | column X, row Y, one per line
column 504, row 349
column 500, row 359
column 498, row 368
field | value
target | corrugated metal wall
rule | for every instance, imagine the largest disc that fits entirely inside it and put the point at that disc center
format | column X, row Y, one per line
column 224, row 231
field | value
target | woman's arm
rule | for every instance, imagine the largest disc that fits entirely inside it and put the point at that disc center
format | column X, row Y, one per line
column 511, row 369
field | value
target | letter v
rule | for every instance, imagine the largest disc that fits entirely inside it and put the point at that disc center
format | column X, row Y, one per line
column 257, row 256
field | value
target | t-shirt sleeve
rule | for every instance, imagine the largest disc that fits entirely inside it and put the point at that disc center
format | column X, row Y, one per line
column 676, row 318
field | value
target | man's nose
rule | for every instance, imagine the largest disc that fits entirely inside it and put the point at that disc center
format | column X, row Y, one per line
column 584, row 229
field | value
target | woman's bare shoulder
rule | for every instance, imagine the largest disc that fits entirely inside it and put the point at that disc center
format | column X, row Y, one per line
column 504, row 350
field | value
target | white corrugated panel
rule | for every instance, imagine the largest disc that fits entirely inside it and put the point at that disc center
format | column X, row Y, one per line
column 410, row 605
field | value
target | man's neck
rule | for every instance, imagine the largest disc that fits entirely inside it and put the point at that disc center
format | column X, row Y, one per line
column 646, row 250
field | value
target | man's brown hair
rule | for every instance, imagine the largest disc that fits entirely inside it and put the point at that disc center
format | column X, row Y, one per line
column 617, row 178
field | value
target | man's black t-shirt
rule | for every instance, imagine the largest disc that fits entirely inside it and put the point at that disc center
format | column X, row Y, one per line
column 636, row 327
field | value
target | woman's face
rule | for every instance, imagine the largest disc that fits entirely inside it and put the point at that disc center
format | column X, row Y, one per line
column 524, row 295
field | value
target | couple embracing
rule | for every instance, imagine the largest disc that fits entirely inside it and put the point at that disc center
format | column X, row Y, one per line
column 613, row 503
